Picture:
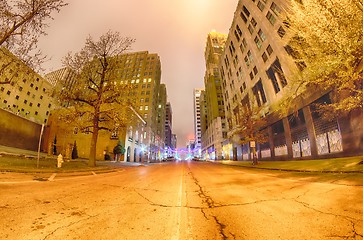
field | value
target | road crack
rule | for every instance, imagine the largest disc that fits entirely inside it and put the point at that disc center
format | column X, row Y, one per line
column 153, row 203
column 352, row 221
column 208, row 200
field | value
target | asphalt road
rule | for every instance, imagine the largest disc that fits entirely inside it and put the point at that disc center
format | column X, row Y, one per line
column 188, row 200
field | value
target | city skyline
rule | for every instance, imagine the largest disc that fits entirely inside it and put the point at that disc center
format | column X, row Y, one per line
column 159, row 27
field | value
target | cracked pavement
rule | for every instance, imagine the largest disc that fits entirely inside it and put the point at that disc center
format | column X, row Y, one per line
column 183, row 200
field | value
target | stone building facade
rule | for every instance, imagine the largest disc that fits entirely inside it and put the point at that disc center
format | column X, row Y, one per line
column 257, row 66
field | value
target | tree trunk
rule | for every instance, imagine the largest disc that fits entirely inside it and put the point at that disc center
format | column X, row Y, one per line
column 92, row 154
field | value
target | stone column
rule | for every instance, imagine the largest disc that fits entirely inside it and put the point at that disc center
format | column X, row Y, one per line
column 133, row 145
column 309, row 123
column 271, row 141
column 288, row 138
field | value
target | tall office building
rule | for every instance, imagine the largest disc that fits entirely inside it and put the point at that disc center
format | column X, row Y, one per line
column 28, row 94
column 257, row 66
column 203, row 114
column 63, row 77
column 174, row 141
column 215, row 130
column 168, row 126
column 141, row 72
column 161, row 115
column 62, row 80
column 197, row 123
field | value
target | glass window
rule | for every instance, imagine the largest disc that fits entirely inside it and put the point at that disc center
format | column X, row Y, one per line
column 258, row 43
column 250, row 28
column 261, row 35
column 249, row 54
column 271, row 18
column 238, row 30
column 247, row 61
column 259, row 93
column 260, row 6
column 281, row 32
column 244, row 42
column 244, row 18
column 251, row 75
column 236, row 35
column 253, row 22
column 245, row 10
column 275, row 8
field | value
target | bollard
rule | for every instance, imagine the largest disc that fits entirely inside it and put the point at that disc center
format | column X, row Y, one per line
column 59, row 160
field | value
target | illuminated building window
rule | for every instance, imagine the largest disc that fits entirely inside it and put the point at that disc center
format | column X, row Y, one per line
column 261, row 35
column 258, row 43
column 271, row 18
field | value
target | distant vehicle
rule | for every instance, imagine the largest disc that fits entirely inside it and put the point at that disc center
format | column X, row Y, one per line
column 196, row 159
column 168, row 159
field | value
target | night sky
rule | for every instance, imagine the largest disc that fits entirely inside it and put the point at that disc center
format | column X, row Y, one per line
column 174, row 29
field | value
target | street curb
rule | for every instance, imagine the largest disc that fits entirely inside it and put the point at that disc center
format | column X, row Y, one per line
column 288, row 170
column 104, row 170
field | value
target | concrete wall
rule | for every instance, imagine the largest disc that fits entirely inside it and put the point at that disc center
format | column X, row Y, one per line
column 67, row 136
column 18, row 132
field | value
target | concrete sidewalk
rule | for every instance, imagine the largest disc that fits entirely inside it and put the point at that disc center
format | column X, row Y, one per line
column 335, row 165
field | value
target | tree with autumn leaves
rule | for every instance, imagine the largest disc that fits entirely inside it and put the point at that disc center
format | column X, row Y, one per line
column 249, row 127
column 98, row 99
column 326, row 38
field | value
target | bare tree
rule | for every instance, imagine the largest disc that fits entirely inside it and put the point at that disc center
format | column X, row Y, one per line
column 327, row 40
column 98, row 97
column 22, row 22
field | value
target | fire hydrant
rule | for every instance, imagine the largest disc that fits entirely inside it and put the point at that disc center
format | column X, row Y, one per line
column 59, row 160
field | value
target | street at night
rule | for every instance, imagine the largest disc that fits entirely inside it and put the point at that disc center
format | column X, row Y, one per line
column 182, row 200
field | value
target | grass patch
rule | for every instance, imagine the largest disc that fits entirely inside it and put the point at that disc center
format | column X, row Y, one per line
column 23, row 164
